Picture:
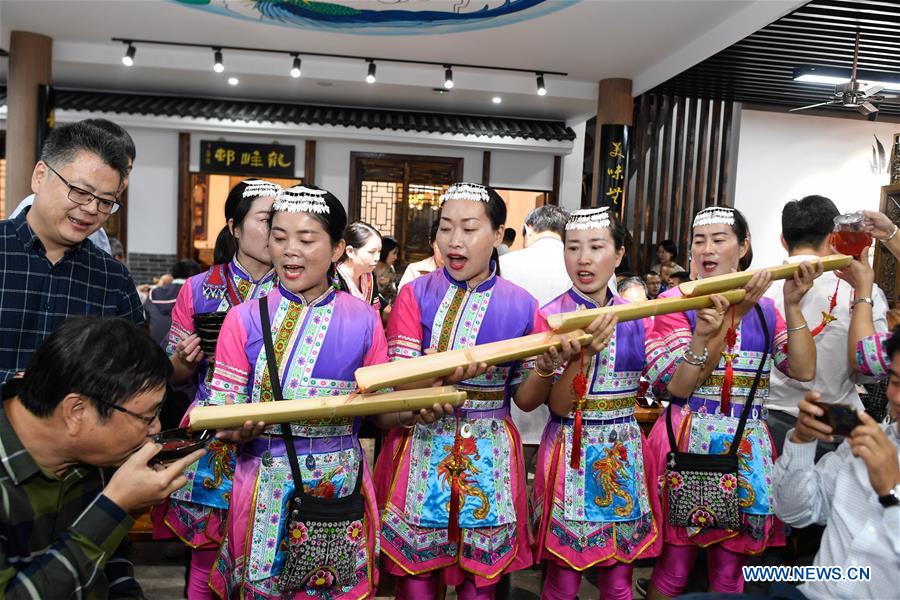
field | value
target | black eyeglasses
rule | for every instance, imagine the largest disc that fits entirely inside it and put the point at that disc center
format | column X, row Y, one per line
column 147, row 419
column 84, row 197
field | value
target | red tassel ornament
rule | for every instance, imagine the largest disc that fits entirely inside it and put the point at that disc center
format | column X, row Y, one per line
column 729, row 355
column 579, row 388
column 827, row 317
column 453, row 527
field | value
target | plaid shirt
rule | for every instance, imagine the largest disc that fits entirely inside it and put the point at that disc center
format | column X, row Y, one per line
column 37, row 296
column 59, row 538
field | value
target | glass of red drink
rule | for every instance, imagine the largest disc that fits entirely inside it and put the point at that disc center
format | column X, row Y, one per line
column 850, row 235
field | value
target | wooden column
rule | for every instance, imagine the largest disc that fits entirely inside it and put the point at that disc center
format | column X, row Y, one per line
column 557, row 171
column 185, row 201
column 30, row 65
column 615, row 106
column 486, row 168
column 309, row 169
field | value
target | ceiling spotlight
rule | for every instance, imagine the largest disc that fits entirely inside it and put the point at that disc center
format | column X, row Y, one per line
column 218, row 65
column 496, row 99
column 295, row 69
column 541, row 88
column 128, row 59
column 448, row 77
column 370, row 78
column 233, row 81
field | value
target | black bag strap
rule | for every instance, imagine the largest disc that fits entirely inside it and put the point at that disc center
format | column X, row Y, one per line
column 748, row 403
column 286, row 433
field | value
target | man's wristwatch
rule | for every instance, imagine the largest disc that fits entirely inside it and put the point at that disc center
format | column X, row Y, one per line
column 892, row 498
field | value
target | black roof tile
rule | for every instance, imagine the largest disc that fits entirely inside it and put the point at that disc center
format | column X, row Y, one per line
column 274, row 112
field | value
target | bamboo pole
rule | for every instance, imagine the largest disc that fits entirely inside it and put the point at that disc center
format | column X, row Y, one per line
column 442, row 364
column 579, row 319
column 730, row 281
column 353, row 405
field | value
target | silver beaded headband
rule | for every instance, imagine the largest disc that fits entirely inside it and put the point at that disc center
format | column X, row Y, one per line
column 258, row 188
column 466, row 191
column 589, row 218
column 714, row 215
column 301, row 199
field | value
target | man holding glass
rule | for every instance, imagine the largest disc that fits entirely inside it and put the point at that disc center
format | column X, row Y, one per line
column 48, row 272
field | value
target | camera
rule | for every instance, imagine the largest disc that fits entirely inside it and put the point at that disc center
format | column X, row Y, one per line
column 842, row 418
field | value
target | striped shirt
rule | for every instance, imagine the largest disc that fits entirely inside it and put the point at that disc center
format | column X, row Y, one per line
column 36, row 296
column 859, row 532
column 59, row 537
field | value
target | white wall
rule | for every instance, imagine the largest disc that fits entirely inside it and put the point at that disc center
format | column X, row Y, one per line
column 572, row 169
column 784, row 157
column 521, row 170
column 153, row 192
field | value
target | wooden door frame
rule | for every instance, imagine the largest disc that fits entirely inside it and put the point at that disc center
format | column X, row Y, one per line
column 354, row 202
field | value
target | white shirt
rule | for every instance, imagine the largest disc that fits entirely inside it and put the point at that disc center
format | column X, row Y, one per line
column 417, row 269
column 860, row 532
column 541, row 270
column 834, row 379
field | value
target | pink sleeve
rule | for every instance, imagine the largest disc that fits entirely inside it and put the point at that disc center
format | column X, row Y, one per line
column 404, row 331
column 540, row 324
column 664, row 346
column 780, row 344
column 378, row 349
column 871, row 355
column 182, row 318
column 231, row 376
column 521, row 368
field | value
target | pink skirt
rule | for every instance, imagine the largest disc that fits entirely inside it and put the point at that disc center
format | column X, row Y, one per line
column 581, row 544
column 485, row 553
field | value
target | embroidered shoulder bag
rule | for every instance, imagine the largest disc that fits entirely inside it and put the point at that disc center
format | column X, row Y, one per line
column 703, row 488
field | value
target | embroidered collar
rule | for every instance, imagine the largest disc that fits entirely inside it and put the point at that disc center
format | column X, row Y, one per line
column 481, row 287
column 368, row 288
column 586, row 300
column 238, row 269
column 323, row 299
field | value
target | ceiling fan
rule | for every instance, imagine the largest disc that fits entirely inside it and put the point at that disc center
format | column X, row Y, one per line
column 855, row 94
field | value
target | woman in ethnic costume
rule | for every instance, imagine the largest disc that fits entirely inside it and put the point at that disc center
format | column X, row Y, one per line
column 196, row 512
column 595, row 494
column 475, row 456
column 866, row 345
column 354, row 272
column 707, row 360
column 311, row 325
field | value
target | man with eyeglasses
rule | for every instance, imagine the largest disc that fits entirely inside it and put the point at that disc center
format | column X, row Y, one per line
column 48, row 269
column 89, row 401
column 99, row 237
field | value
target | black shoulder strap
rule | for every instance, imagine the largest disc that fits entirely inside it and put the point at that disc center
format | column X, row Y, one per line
column 748, row 403
column 286, row 434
